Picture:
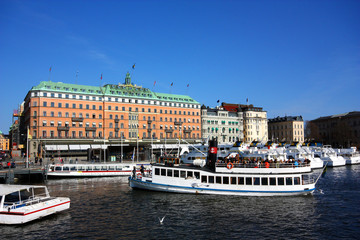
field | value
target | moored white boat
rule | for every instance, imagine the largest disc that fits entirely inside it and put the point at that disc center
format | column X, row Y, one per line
column 94, row 170
column 351, row 155
column 233, row 178
column 23, row 203
column 329, row 156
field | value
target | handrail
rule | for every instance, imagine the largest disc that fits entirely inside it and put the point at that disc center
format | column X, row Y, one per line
column 262, row 165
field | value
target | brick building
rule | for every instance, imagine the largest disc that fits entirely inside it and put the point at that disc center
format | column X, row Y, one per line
column 78, row 117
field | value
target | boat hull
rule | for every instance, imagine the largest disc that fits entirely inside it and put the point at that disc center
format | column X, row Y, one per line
column 208, row 189
column 35, row 211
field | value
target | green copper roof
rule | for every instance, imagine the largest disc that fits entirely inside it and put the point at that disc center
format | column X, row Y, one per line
column 113, row 90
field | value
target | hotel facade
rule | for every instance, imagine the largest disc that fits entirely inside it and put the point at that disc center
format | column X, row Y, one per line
column 286, row 129
column 72, row 117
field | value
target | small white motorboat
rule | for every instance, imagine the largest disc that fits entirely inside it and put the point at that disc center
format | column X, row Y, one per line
column 24, row 203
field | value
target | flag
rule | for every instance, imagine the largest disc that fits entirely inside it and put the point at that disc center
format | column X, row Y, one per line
column 188, row 85
column 247, row 100
column 29, row 135
column 218, row 101
column 50, row 69
column 133, row 66
column 154, row 83
column 172, row 84
column 101, row 77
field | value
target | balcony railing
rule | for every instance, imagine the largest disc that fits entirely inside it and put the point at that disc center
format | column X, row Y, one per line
column 77, row 119
column 63, row 128
column 90, row 128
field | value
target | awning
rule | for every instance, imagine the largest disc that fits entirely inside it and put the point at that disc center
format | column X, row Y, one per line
column 56, row 147
column 84, row 147
column 74, row 147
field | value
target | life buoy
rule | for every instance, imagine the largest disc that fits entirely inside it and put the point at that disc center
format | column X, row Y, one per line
column 230, row 165
column 139, row 176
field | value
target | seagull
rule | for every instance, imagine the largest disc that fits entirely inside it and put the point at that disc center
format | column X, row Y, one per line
column 161, row 220
column 321, row 191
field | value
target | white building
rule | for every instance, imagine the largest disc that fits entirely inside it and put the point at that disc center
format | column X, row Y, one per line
column 224, row 125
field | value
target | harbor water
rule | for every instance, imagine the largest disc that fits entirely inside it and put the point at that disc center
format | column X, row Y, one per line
column 107, row 208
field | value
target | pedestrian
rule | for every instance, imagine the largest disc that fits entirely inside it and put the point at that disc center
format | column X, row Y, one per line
column 142, row 169
column 134, row 172
column 40, row 161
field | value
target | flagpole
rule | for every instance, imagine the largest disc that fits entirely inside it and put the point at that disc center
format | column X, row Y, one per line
column 27, row 149
column 49, row 73
column 137, row 147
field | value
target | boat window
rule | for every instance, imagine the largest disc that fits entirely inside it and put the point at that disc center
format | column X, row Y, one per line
column 111, row 167
column 272, row 181
column 240, row 180
column 256, row 181
column 163, row 172
column 57, row 168
column 80, row 168
column 11, row 198
column 225, row 180
column 296, row 180
column 211, row 179
column 25, row 194
column 120, row 168
column 176, row 173
column 281, row 181
column 203, row 179
column 52, row 168
column 73, row 168
column 289, row 181
column 169, row 172
column 189, row 174
column 182, row 174
column 248, row 181
column 218, row 180
column 104, row 168
column 65, row 168
column 197, row 175
column 264, row 181
column 233, row 180
column 39, row 191
column 157, row 171
column 96, row 167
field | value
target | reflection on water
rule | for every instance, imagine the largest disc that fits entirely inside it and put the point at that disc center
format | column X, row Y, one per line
column 108, row 208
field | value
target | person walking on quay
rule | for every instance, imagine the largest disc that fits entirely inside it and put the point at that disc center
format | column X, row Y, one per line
column 134, row 172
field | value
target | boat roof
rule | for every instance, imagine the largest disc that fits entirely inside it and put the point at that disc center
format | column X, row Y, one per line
column 7, row 188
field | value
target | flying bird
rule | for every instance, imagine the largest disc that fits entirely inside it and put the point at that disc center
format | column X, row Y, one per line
column 161, row 220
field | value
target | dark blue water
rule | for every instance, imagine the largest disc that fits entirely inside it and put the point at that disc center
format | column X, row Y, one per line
column 108, row 208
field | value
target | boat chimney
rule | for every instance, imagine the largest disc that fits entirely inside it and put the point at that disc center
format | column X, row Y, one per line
column 212, row 154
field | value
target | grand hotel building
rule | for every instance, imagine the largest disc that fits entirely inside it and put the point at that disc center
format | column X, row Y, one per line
column 78, row 117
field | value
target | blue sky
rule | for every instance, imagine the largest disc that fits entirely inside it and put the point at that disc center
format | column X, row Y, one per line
column 289, row 57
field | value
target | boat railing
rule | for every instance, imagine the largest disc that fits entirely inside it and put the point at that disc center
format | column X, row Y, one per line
column 30, row 201
column 261, row 165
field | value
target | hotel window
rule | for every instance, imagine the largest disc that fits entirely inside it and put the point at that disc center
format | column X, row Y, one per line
column 100, row 125
column 66, row 114
column 116, row 108
column 44, row 123
column 59, row 114
column 52, row 124
column 80, row 115
column 100, row 107
column 80, row 106
column 100, row 116
column 110, row 125
column 51, row 134
column 109, row 107
column 44, row 104
column 74, row 105
column 73, row 134
column 52, row 104
column 87, row 106
column 44, row 134
column 60, row 95
column 111, row 116
column 87, row 115
column 44, row 113
column 94, row 116
column 59, row 105
column 73, row 124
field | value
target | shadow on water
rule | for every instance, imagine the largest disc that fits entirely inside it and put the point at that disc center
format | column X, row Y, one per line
column 107, row 208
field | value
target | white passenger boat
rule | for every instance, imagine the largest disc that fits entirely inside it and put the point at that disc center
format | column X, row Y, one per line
column 329, row 156
column 23, row 203
column 232, row 178
column 95, row 169
column 351, row 155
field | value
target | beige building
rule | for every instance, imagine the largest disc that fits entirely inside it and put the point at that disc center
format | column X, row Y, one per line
column 288, row 129
column 4, row 142
column 255, row 125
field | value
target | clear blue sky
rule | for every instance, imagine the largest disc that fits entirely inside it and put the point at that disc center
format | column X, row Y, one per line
column 289, row 57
